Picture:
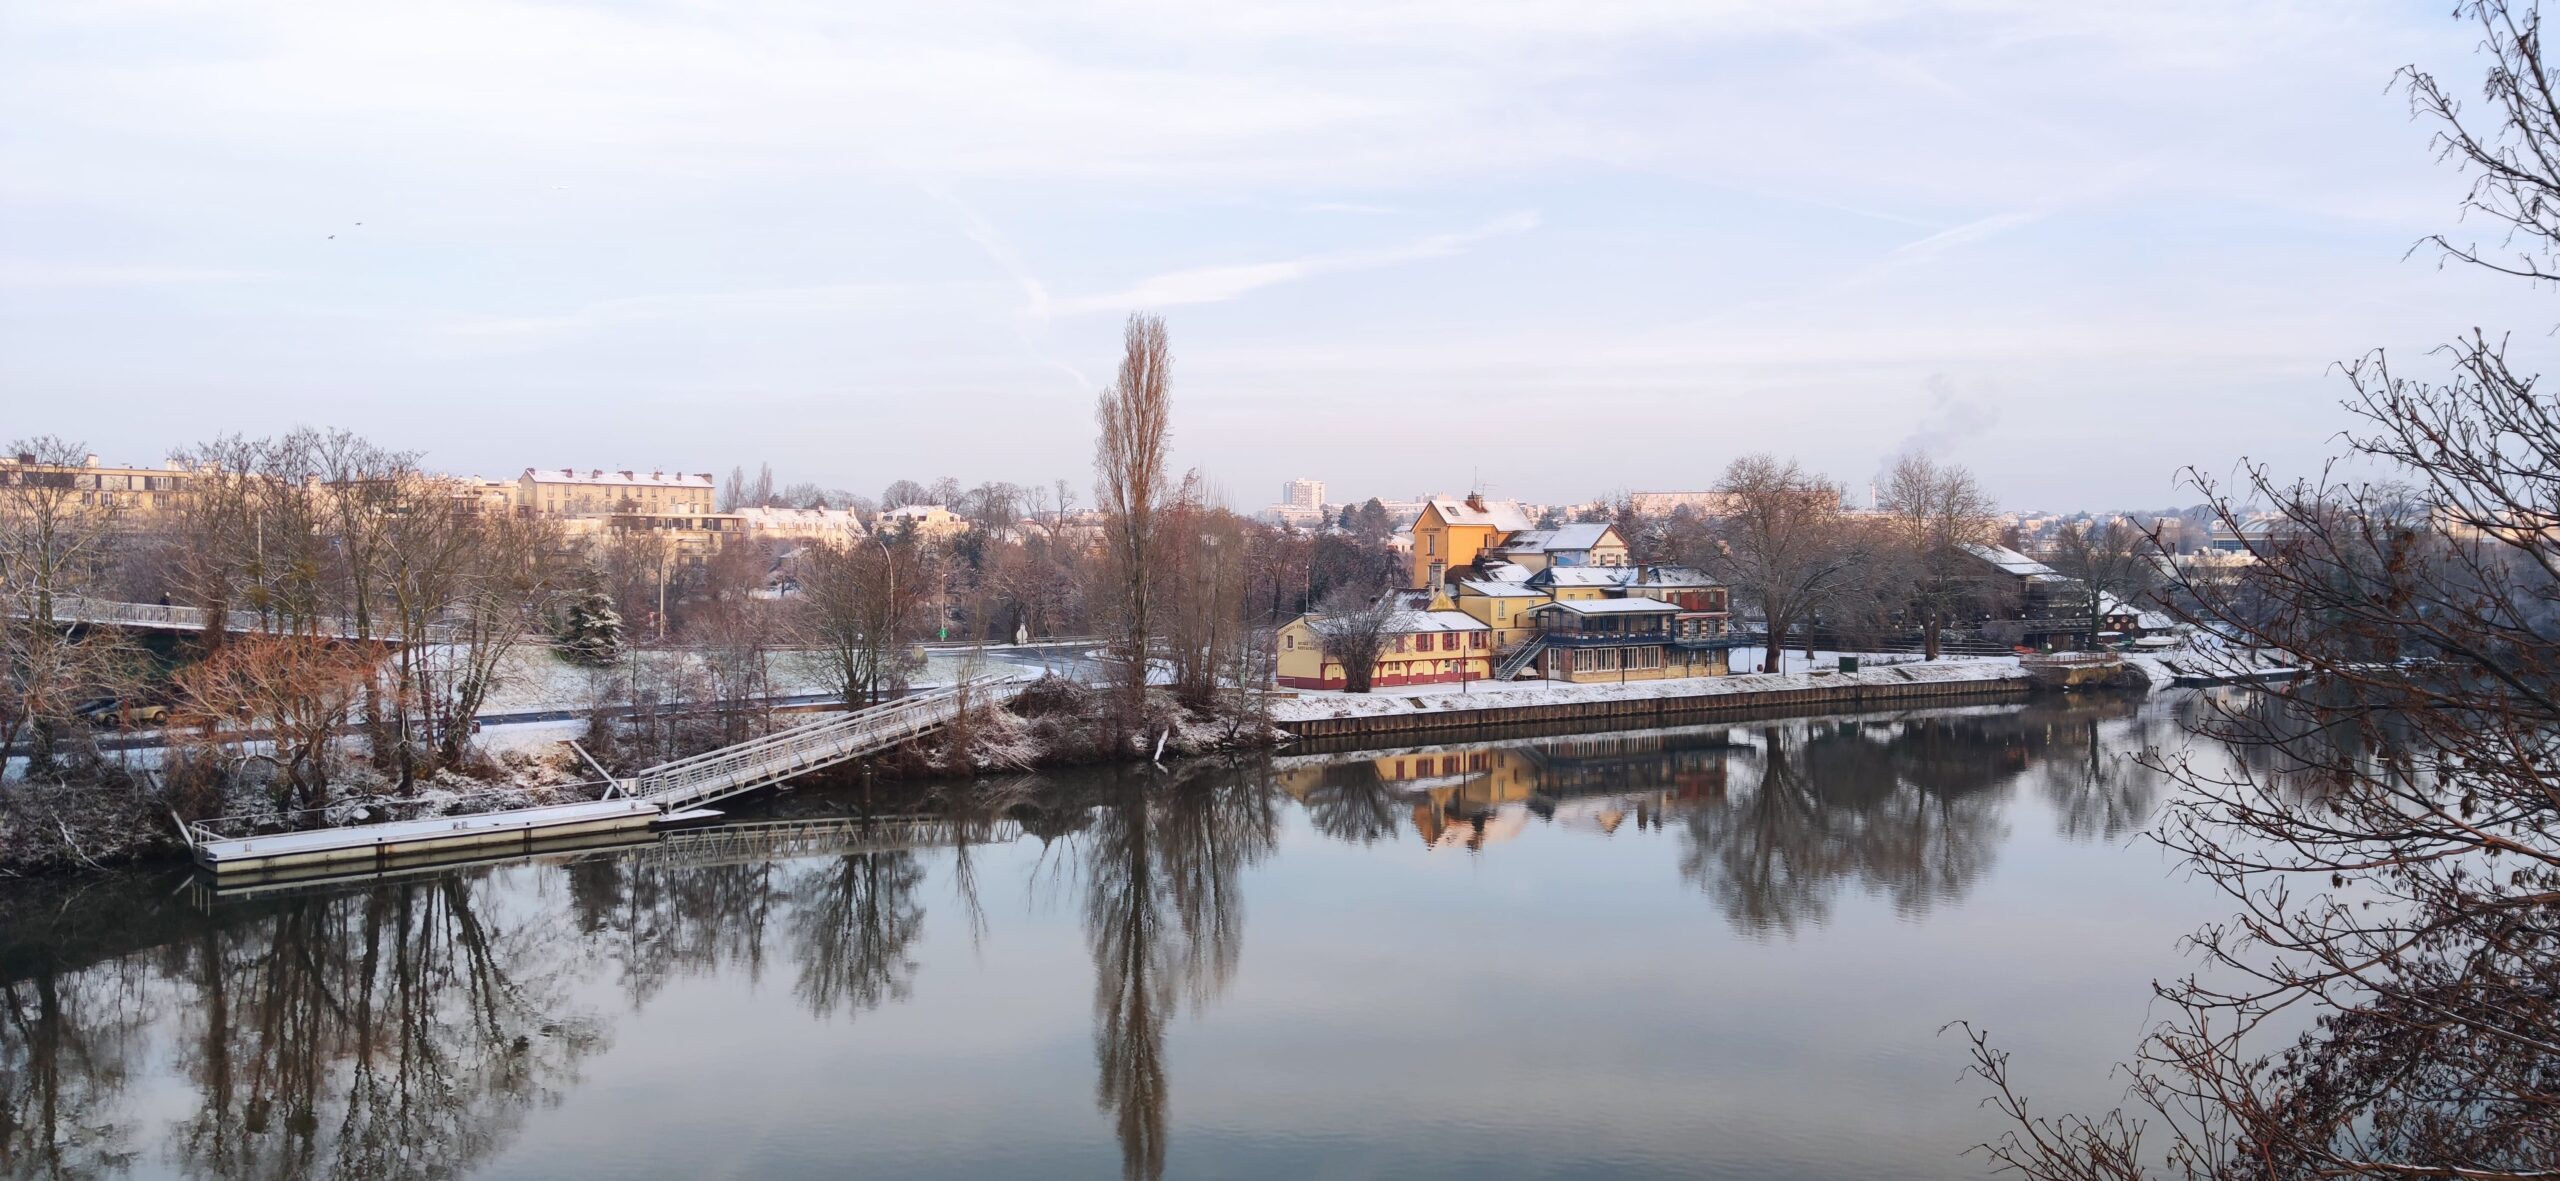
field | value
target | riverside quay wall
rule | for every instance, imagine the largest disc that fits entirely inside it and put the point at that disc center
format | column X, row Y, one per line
column 1330, row 715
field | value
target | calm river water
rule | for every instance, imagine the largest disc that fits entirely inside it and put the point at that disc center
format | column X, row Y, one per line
column 1714, row 951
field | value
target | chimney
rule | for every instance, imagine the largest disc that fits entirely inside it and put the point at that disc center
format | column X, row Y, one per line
column 90, row 460
column 1475, row 500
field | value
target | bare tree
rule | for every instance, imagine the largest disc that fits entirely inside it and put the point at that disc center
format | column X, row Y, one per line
column 510, row 576
column 1204, row 551
column 901, row 493
column 2110, row 559
column 1354, row 630
column 862, row 606
column 1935, row 511
column 56, row 546
column 2385, row 829
column 1782, row 545
column 1134, row 424
column 296, row 691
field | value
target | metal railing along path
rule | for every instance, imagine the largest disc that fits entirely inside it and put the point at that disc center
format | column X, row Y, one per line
column 164, row 617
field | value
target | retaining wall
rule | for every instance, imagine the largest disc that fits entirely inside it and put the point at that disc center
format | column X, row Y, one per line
column 1842, row 693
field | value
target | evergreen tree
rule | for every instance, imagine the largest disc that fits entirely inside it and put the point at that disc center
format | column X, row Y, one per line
column 592, row 634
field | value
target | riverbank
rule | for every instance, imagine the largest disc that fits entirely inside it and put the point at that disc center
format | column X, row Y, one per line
column 1329, row 715
column 1051, row 724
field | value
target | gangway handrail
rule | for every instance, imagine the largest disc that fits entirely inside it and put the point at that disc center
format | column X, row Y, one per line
column 839, row 721
column 715, row 775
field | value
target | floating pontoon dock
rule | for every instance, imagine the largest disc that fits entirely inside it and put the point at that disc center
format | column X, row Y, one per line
column 667, row 794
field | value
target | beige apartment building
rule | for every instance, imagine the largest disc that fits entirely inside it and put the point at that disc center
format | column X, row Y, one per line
column 597, row 492
column 801, row 524
column 930, row 521
column 139, row 491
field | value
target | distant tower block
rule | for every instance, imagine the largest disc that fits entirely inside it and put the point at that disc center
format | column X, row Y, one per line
column 1303, row 493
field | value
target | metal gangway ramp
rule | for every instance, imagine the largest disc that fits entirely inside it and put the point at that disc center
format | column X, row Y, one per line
column 716, row 775
column 653, row 797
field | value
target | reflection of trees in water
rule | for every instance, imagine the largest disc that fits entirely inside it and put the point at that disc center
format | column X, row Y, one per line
column 652, row 924
column 2099, row 780
column 398, row 1032
column 851, row 921
column 1834, row 805
column 1164, row 920
column 1352, row 802
column 1910, row 808
column 68, row 1044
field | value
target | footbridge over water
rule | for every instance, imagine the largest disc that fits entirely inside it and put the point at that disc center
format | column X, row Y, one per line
column 81, row 611
column 671, row 792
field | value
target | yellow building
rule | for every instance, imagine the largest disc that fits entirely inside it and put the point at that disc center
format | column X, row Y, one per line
column 1436, row 647
column 137, row 491
column 930, row 521
column 482, row 497
column 690, row 537
column 1453, row 533
column 1582, row 641
column 1500, row 606
column 802, row 524
column 596, row 492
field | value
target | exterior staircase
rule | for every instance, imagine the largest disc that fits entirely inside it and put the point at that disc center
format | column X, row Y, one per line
column 1520, row 659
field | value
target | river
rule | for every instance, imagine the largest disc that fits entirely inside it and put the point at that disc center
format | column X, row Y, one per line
column 1707, row 951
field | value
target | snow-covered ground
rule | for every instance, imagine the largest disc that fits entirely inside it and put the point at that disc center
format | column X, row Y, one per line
column 535, row 678
column 1795, row 661
column 1308, row 706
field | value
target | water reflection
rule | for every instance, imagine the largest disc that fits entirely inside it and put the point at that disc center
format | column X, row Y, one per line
column 414, row 1028
column 404, row 1031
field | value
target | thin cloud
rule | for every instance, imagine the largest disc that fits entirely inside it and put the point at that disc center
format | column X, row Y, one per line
column 30, row 273
column 1219, row 284
column 1923, row 249
column 835, row 299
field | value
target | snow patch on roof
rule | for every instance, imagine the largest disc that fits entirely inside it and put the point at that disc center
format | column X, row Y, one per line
column 1610, row 607
column 2010, row 561
column 619, row 479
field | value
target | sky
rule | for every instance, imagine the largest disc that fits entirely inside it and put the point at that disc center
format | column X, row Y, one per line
column 1550, row 249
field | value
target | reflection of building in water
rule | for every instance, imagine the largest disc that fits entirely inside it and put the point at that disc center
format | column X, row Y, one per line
column 1473, row 796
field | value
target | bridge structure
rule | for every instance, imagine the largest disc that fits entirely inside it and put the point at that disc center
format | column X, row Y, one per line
column 82, row 611
column 674, row 792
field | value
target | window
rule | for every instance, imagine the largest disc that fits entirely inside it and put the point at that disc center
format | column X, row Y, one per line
column 1448, row 641
column 1289, row 642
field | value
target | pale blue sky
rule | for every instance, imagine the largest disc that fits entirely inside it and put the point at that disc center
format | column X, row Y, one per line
column 1573, row 247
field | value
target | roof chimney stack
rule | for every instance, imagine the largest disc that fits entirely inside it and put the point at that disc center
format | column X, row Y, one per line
column 1475, row 500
